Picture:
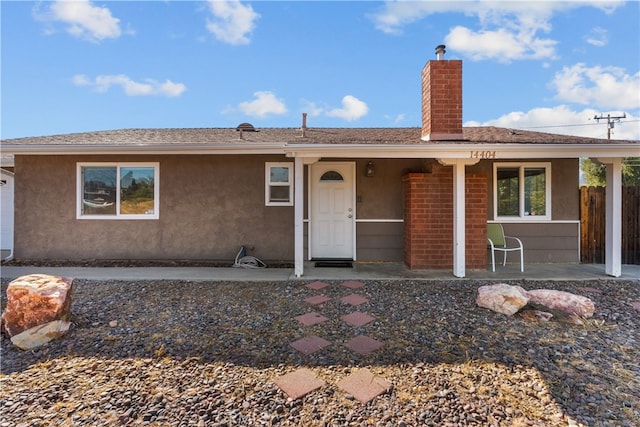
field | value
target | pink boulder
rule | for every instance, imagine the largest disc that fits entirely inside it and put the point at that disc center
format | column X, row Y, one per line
column 565, row 302
column 502, row 298
column 39, row 304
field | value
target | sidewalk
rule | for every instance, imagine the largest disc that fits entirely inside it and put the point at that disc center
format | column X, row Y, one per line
column 360, row 271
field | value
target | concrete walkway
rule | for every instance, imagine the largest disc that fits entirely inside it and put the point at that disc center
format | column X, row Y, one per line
column 360, row 271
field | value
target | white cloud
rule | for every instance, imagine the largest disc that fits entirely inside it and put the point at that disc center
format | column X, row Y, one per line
column 597, row 37
column 352, row 109
column 232, row 22
column 149, row 87
column 502, row 44
column 312, row 109
column 563, row 120
column 598, row 87
column 506, row 30
column 510, row 31
column 266, row 103
column 84, row 20
column 396, row 14
column 397, row 119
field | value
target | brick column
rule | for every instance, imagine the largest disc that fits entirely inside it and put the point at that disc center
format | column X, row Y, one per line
column 476, row 221
column 428, row 219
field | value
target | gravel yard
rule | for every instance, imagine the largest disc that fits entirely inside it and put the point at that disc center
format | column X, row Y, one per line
column 205, row 354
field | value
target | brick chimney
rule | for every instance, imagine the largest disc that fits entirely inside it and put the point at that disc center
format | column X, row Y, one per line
column 442, row 99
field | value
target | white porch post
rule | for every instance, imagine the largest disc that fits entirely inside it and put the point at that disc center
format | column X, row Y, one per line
column 613, row 217
column 459, row 220
column 459, row 217
column 298, row 212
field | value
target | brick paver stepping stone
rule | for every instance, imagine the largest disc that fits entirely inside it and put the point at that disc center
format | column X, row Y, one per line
column 318, row 299
column 363, row 385
column 298, row 383
column 311, row 319
column 316, row 286
column 310, row 344
column 363, row 345
column 352, row 284
column 354, row 299
column 358, row 319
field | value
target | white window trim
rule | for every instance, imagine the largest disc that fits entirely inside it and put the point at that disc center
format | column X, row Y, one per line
column 268, row 184
column 118, row 215
column 521, row 166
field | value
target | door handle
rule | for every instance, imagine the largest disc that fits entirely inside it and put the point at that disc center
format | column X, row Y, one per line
column 349, row 216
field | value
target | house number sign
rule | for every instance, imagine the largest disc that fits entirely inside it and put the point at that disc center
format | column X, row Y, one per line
column 482, row 154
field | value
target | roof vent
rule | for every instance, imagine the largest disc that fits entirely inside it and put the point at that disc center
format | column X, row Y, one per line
column 246, row 127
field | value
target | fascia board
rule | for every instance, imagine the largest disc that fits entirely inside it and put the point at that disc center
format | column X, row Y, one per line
column 462, row 151
column 439, row 150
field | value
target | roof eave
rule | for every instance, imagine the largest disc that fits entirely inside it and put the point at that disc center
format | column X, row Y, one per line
column 439, row 150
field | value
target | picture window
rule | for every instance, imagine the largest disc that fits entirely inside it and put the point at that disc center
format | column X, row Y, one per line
column 118, row 190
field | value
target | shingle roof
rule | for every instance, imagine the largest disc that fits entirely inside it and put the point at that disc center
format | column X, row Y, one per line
column 228, row 136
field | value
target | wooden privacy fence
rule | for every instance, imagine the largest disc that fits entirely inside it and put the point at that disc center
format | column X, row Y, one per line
column 592, row 225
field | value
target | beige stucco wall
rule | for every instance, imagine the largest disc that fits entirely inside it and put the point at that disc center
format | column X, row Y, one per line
column 379, row 206
column 380, row 196
column 209, row 207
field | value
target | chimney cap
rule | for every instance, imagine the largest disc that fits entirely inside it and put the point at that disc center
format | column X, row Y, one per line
column 440, row 51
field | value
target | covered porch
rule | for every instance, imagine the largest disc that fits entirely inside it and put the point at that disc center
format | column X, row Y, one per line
column 456, row 159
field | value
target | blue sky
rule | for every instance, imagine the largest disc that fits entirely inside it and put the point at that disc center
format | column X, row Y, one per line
column 77, row 66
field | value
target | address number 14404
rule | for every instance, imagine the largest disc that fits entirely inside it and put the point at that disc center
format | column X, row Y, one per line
column 483, row 154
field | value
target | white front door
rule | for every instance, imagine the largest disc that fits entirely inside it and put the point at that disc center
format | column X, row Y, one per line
column 332, row 210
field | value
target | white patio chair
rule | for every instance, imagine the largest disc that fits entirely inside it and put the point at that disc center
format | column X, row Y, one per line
column 499, row 242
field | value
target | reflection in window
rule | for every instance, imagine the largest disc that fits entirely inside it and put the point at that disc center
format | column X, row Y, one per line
column 279, row 184
column 117, row 191
column 136, row 190
column 535, row 191
column 99, row 190
column 279, row 174
column 331, row 176
column 508, row 191
column 522, row 191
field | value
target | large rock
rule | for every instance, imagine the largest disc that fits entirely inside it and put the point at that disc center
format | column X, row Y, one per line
column 38, row 309
column 40, row 335
column 502, row 298
column 565, row 302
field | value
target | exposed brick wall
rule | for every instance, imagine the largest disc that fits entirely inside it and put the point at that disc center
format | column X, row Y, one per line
column 442, row 100
column 428, row 219
column 476, row 220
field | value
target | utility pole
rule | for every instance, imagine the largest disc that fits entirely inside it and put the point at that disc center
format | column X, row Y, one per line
column 611, row 120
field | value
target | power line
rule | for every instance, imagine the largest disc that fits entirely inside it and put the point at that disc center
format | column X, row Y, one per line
column 611, row 120
column 559, row 126
column 573, row 125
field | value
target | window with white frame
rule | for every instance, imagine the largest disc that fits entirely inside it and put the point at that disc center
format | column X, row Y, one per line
column 278, row 184
column 522, row 191
column 118, row 190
